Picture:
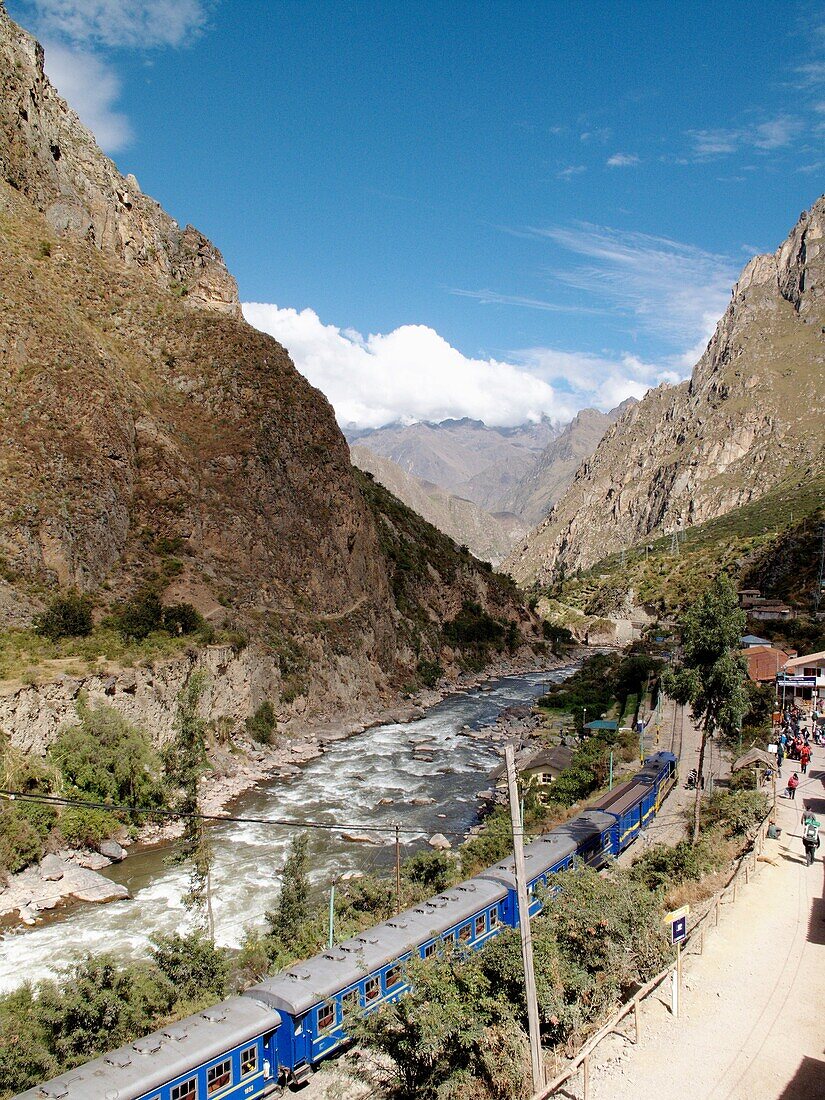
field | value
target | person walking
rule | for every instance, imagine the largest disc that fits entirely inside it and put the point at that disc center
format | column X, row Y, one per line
column 793, row 783
column 804, row 758
column 780, row 756
column 810, row 836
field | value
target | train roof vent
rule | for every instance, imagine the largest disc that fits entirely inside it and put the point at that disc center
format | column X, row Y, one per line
column 176, row 1033
column 334, row 956
column 364, row 938
column 298, row 975
column 214, row 1015
column 55, row 1089
column 467, row 887
column 119, row 1058
column 436, row 903
column 148, row 1045
column 399, row 923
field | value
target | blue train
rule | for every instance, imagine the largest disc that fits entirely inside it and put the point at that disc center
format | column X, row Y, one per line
column 277, row 1031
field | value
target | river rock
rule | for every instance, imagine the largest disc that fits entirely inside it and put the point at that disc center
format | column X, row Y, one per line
column 52, row 868
column 348, row 876
column 112, row 850
column 440, row 842
column 90, row 886
column 486, row 796
column 359, row 838
column 423, row 801
column 92, row 861
column 386, row 801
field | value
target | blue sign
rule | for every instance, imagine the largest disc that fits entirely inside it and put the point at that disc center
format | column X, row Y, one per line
column 678, row 930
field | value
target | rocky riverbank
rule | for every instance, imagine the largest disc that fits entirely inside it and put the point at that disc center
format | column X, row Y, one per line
column 42, row 888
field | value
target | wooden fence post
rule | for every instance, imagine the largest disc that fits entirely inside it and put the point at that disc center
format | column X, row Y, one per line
column 587, row 1077
column 636, row 1016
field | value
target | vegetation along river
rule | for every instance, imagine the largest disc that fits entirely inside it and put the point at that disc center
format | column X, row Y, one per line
column 344, row 784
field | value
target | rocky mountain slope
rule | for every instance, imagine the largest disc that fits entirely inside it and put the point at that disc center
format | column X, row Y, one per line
column 556, row 467
column 466, row 457
column 748, row 420
column 490, row 537
column 152, row 439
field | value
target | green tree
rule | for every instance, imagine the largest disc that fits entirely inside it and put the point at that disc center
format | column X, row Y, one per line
column 186, row 760
column 69, row 615
column 197, row 969
column 293, row 904
column 711, row 675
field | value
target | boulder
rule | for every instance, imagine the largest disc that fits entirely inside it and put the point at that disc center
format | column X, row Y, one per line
column 359, row 838
column 52, row 868
column 440, row 842
column 112, row 850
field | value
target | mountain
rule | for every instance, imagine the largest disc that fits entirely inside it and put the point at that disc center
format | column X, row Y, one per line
column 555, row 468
column 466, row 457
column 490, row 537
column 151, row 439
column 749, row 420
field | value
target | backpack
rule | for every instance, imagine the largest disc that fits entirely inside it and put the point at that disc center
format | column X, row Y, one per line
column 811, row 834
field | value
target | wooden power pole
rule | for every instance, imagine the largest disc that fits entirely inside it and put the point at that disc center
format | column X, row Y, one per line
column 536, row 1060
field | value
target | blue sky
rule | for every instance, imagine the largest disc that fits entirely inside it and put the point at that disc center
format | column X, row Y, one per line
column 493, row 209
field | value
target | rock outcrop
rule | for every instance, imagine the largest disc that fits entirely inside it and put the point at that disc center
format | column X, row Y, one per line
column 749, row 419
column 48, row 155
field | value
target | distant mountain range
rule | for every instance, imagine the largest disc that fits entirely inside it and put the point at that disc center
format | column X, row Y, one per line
column 484, row 486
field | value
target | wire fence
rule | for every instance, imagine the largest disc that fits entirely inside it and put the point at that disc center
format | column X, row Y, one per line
column 744, row 867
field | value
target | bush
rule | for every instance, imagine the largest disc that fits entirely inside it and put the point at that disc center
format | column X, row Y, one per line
column 195, row 967
column 108, row 759
column 83, row 827
column 429, row 673
column 21, row 842
column 69, row 615
column 474, row 627
column 181, row 618
column 431, row 870
column 261, row 725
column 661, row 867
column 139, row 617
column 735, row 812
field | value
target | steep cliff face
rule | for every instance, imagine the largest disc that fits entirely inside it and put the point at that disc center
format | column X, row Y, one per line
column 47, row 154
column 749, row 419
column 151, row 437
column 556, row 467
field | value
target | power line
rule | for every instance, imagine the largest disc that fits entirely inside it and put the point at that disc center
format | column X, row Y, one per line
column 57, row 800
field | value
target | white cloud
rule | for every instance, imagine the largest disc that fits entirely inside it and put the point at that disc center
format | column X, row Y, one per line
column 622, row 160
column 408, row 374
column 571, row 171
column 670, row 289
column 92, row 88
column 137, row 23
column 776, row 133
column 597, row 380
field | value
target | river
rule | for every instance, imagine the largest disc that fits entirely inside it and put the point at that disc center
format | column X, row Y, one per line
column 344, row 784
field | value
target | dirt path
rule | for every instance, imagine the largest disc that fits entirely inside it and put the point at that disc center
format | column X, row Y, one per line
column 753, row 1012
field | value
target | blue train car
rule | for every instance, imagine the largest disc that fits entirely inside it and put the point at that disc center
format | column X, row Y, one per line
column 225, row 1052
column 277, row 1031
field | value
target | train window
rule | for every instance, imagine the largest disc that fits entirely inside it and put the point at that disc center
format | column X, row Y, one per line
column 465, row 932
column 217, row 1077
column 429, row 950
column 351, row 1001
column 326, row 1015
column 372, row 989
column 186, row 1090
column 249, row 1060
column 393, row 977
column 494, row 921
column 481, row 925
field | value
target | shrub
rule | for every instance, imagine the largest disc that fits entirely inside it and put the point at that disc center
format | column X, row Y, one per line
column 84, row 827
column 431, row 870
column 735, row 812
column 195, row 967
column 69, row 615
column 181, row 618
column 21, row 843
column 138, row 617
column 474, row 627
column 429, row 673
column 261, row 725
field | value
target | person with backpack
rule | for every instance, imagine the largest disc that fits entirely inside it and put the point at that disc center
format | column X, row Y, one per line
column 810, row 836
column 793, row 783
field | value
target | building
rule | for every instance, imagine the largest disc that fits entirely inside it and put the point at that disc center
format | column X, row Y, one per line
column 541, row 767
column 747, row 641
column 765, row 661
column 748, row 597
column 771, row 609
column 802, row 680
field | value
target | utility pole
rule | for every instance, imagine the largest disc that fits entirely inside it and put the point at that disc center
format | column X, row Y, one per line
column 536, row 1059
column 397, row 868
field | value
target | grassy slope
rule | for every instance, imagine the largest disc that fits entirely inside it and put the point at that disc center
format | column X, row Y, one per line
column 771, row 543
